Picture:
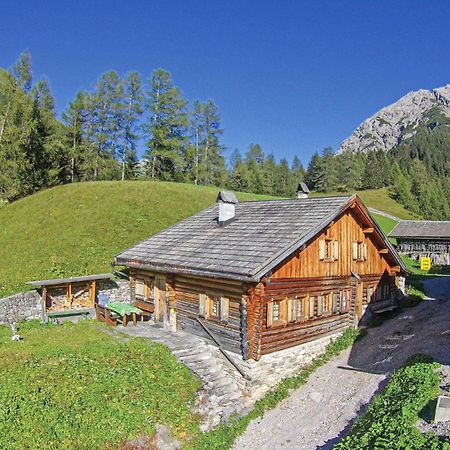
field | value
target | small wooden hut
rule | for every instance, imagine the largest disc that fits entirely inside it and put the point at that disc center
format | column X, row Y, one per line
column 262, row 276
column 423, row 238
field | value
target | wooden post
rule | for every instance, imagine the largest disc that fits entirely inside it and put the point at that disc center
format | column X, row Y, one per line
column 173, row 320
column 92, row 291
column 69, row 293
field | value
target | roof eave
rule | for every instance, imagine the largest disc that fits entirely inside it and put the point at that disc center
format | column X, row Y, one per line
column 182, row 270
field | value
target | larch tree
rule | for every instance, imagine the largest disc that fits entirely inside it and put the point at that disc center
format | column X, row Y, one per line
column 133, row 108
column 165, row 127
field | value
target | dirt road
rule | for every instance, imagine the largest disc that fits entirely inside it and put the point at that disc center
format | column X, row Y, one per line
column 316, row 415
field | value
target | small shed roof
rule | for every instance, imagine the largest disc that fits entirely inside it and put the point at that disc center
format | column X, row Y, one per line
column 421, row 229
column 303, row 187
column 227, row 197
column 61, row 281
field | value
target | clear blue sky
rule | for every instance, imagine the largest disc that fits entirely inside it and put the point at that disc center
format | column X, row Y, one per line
column 293, row 76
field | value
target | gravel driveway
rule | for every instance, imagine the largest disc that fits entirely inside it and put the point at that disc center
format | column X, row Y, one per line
column 320, row 412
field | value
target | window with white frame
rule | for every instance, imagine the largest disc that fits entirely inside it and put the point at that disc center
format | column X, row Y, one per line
column 328, row 250
column 359, row 251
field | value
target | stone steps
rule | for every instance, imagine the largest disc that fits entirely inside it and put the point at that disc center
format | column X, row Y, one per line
column 223, row 393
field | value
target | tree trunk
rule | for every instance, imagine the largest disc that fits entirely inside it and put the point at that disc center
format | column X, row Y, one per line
column 196, row 154
column 4, row 122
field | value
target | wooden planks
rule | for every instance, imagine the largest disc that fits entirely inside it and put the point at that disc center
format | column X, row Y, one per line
column 348, row 228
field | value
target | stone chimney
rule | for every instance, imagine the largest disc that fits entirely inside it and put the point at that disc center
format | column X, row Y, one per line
column 227, row 207
column 302, row 190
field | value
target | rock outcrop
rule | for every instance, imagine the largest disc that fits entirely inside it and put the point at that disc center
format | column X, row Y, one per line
column 399, row 121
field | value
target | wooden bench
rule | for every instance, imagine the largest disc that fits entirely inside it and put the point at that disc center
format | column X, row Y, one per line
column 103, row 314
column 53, row 315
column 383, row 306
column 147, row 309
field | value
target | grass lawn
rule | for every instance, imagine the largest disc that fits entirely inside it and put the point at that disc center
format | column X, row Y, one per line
column 73, row 386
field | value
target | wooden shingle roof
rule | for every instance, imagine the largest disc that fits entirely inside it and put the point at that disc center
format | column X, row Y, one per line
column 262, row 235
column 418, row 229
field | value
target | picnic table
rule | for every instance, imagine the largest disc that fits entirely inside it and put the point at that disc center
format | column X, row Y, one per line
column 124, row 310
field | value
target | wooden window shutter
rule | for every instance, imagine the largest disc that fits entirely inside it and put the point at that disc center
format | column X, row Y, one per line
column 335, row 250
column 364, row 251
column 203, row 305
column 292, row 310
column 355, row 250
column 269, row 314
column 320, row 304
column 305, row 308
column 322, row 249
column 224, row 308
column 312, row 305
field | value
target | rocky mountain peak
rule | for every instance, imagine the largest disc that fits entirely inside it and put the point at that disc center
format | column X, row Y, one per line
column 397, row 122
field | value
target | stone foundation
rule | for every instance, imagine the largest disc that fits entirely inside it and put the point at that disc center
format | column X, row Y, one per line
column 274, row 367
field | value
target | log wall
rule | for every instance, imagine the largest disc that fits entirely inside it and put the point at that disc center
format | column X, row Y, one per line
column 346, row 230
column 183, row 294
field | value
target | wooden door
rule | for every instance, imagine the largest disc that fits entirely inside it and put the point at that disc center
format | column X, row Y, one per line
column 160, row 298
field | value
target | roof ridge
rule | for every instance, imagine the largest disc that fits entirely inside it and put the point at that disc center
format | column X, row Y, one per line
column 292, row 199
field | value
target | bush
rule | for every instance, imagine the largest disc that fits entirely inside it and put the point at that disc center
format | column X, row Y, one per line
column 390, row 420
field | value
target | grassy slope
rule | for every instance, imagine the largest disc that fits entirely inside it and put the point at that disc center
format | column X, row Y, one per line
column 77, row 229
column 379, row 199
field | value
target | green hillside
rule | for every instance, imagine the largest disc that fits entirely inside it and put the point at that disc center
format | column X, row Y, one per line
column 379, row 199
column 77, row 229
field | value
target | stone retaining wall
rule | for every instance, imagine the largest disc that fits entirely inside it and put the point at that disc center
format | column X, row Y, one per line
column 19, row 307
column 116, row 290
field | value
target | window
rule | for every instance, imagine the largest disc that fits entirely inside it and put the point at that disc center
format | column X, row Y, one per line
column 345, row 306
column 336, row 301
column 139, row 288
column 296, row 309
column 277, row 312
column 213, row 307
column 328, row 250
column 359, row 251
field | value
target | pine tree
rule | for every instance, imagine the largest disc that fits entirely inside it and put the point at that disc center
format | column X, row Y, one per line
column 76, row 119
column 314, row 173
column 298, row 170
column 107, row 114
column 21, row 71
column 133, row 109
column 166, row 127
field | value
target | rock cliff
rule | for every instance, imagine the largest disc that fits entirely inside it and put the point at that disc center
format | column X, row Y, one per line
column 397, row 122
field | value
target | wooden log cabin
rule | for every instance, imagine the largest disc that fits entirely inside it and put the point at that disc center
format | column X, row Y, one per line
column 262, row 276
column 424, row 238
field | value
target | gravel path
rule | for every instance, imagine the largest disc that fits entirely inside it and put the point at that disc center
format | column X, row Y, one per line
column 317, row 414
